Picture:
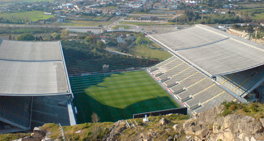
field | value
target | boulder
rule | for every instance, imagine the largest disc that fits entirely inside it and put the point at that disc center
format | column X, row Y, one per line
column 262, row 121
column 170, row 138
column 38, row 133
column 202, row 132
column 78, row 132
column 209, row 115
column 164, row 121
column 175, row 127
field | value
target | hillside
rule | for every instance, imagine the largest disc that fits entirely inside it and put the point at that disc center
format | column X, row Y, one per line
column 230, row 121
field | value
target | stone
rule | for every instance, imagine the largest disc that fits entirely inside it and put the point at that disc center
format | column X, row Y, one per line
column 170, row 138
column 163, row 121
column 262, row 121
column 202, row 132
column 77, row 132
column 175, row 127
column 38, row 133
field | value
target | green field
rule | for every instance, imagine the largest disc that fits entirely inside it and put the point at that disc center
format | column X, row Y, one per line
column 118, row 26
column 27, row 16
column 83, row 23
column 118, row 96
column 147, row 23
column 6, row 2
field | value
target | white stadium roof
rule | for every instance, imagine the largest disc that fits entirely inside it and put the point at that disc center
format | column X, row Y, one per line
column 32, row 69
column 212, row 51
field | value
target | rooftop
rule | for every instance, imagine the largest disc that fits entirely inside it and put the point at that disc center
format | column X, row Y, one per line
column 212, row 51
column 32, row 69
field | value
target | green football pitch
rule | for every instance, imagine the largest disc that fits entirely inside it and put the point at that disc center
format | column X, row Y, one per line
column 118, row 96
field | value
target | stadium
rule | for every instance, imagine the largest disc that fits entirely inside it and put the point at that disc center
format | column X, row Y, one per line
column 209, row 67
column 35, row 87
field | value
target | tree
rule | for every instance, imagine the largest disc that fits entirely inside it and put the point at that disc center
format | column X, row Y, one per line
column 101, row 45
column 26, row 37
column 57, row 37
column 111, row 43
column 65, row 33
column 54, row 35
column 91, row 40
column 95, row 129
column 139, row 40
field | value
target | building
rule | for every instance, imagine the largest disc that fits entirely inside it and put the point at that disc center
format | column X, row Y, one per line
column 149, row 17
column 35, row 87
column 214, row 67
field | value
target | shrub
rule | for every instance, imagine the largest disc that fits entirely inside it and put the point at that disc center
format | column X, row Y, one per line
column 232, row 107
column 254, row 107
column 226, row 112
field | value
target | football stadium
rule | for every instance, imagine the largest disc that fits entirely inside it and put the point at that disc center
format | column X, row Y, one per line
column 34, row 86
column 208, row 66
column 114, row 96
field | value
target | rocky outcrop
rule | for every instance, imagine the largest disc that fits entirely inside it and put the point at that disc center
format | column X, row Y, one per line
column 37, row 135
column 116, row 129
column 206, row 126
column 233, row 127
column 164, row 121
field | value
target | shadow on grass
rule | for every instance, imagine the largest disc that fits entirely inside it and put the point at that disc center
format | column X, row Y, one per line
column 109, row 113
column 86, row 104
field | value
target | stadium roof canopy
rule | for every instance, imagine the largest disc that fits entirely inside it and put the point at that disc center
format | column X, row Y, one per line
column 212, row 51
column 32, row 69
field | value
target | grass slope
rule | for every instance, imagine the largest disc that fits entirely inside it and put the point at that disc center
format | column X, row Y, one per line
column 28, row 15
column 118, row 96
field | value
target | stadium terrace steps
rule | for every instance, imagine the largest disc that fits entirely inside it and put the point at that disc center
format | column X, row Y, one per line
column 181, row 77
column 50, row 109
column 216, row 101
column 48, row 118
column 192, row 87
column 205, row 95
column 16, row 110
column 240, row 82
column 163, row 63
column 196, row 89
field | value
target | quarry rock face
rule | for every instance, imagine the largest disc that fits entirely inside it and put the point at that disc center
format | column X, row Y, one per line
column 206, row 126
column 209, row 126
column 116, row 129
column 37, row 135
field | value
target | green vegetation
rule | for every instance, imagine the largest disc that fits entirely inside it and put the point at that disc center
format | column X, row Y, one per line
column 96, row 131
column 25, row 37
column 147, row 52
column 12, row 136
column 254, row 110
column 118, row 96
column 83, row 23
column 23, row 17
column 147, row 23
column 87, row 57
column 118, row 26
column 19, row 30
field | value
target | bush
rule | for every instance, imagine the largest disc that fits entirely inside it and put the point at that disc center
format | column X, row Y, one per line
column 232, row 107
column 25, row 37
column 226, row 112
column 254, row 107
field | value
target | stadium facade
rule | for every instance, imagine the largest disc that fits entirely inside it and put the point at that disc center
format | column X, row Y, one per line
column 34, row 86
column 209, row 67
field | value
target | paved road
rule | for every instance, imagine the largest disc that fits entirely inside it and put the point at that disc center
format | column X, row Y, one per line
column 49, row 26
column 131, row 27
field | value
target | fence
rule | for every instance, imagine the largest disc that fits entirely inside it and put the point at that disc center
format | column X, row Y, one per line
column 162, row 112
